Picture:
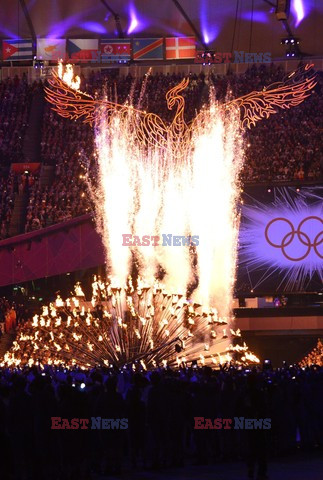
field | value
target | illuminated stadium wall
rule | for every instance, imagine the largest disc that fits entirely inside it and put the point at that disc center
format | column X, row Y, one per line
column 61, row 248
column 281, row 240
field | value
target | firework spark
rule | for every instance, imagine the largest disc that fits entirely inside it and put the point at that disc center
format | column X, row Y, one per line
column 148, row 191
column 174, row 187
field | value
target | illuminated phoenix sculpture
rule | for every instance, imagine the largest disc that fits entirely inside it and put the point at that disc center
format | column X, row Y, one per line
column 70, row 102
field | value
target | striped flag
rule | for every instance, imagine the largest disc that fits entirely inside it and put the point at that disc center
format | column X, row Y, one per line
column 148, row 49
column 51, row 48
column 115, row 50
column 13, row 50
column 83, row 49
column 180, row 47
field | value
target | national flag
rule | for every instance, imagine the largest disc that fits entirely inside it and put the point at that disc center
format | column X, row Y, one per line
column 13, row 50
column 115, row 50
column 180, row 47
column 83, row 49
column 148, row 49
column 51, row 48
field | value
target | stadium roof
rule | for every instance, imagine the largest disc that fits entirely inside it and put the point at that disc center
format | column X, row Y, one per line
column 224, row 25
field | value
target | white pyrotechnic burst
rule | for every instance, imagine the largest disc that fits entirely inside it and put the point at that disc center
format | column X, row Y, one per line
column 158, row 180
column 216, row 163
column 156, row 191
column 146, row 219
column 115, row 196
column 174, row 220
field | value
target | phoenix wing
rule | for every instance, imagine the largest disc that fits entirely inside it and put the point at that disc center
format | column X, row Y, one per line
column 71, row 103
column 74, row 104
column 255, row 106
column 286, row 94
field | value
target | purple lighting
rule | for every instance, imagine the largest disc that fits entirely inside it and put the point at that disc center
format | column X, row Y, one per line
column 93, row 27
column 134, row 22
column 59, row 29
column 209, row 30
column 8, row 33
column 260, row 17
column 206, row 37
column 298, row 10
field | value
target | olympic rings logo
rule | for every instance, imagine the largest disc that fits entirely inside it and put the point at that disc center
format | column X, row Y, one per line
column 301, row 236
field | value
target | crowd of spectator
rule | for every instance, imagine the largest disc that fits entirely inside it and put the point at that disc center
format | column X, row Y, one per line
column 5, row 306
column 7, row 196
column 8, row 316
column 288, row 143
column 12, row 184
column 160, row 408
column 64, row 199
column 12, row 314
column 15, row 101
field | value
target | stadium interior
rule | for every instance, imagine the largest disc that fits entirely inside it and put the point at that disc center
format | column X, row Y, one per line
column 64, row 188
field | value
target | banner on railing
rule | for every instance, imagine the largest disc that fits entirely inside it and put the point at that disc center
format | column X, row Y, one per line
column 51, row 48
column 15, row 50
column 104, row 50
column 82, row 49
column 148, row 49
column 118, row 50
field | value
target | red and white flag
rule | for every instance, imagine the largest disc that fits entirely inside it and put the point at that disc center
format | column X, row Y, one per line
column 180, row 47
column 17, row 49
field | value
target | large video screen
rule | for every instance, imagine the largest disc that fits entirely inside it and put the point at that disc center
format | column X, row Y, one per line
column 281, row 240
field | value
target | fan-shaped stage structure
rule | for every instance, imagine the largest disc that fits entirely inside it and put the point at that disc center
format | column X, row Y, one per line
column 315, row 357
column 144, row 326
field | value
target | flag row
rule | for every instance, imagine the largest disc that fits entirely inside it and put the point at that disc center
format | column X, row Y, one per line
column 103, row 50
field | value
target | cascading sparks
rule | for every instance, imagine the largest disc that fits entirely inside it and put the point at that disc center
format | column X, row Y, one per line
column 176, row 188
column 181, row 189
